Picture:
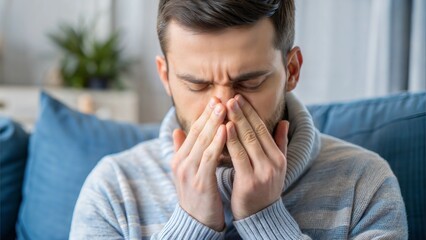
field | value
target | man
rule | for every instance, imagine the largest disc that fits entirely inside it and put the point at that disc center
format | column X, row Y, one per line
column 238, row 155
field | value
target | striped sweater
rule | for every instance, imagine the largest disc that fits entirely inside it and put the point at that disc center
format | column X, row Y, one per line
column 333, row 190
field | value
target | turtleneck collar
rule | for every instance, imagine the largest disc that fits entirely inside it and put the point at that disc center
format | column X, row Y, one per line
column 304, row 145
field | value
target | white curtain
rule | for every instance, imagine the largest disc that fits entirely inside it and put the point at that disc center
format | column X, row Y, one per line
column 417, row 68
column 359, row 48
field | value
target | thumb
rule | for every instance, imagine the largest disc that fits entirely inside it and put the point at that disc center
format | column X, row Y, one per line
column 179, row 137
column 280, row 136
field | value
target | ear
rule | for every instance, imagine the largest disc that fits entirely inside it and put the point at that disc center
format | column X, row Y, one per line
column 294, row 64
column 163, row 73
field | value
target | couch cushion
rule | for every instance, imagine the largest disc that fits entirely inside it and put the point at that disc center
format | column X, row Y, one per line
column 13, row 158
column 395, row 128
column 64, row 148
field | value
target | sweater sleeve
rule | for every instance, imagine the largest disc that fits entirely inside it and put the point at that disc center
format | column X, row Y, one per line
column 273, row 222
column 106, row 209
column 383, row 217
column 182, row 226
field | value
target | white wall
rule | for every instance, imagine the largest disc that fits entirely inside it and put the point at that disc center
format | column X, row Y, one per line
column 338, row 40
column 137, row 20
column 28, row 57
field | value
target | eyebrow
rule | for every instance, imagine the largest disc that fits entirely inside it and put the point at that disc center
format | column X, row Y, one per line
column 250, row 75
column 239, row 78
column 192, row 79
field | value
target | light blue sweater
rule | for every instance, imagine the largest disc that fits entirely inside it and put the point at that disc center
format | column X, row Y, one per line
column 335, row 190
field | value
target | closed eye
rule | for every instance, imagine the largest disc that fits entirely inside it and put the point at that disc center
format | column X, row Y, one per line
column 252, row 84
column 197, row 87
column 194, row 84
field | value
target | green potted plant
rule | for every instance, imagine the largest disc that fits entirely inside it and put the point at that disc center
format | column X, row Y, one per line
column 89, row 62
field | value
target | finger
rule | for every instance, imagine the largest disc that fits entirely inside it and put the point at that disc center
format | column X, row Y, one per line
column 238, row 154
column 178, row 139
column 246, row 134
column 207, row 134
column 197, row 127
column 211, row 155
column 281, row 136
column 259, row 127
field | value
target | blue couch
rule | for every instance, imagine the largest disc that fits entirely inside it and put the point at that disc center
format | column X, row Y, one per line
column 42, row 172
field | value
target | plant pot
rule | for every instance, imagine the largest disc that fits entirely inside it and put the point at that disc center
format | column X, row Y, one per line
column 98, row 83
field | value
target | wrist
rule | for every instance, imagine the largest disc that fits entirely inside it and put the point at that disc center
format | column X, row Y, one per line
column 245, row 213
column 213, row 222
column 181, row 222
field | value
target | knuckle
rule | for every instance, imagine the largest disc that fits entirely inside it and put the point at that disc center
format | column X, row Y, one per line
column 181, row 175
column 203, row 141
column 249, row 136
column 282, row 162
column 174, row 166
column 251, row 186
column 196, row 128
column 270, row 174
column 241, row 154
column 176, row 163
column 208, row 155
column 198, row 186
column 233, row 140
column 267, row 178
column 260, row 129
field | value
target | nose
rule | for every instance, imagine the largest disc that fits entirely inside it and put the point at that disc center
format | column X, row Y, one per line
column 224, row 93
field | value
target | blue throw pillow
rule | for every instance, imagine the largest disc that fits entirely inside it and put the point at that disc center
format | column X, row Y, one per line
column 64, row 148
column 395, row 128
column 13, row 158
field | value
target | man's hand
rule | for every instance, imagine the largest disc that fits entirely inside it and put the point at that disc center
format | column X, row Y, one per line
column 194, row 166
column 260, row 162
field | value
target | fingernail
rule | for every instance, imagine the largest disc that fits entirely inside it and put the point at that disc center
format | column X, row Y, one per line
column 232, row 131
column 212, row 103
column 235, row 105
column 240, row 100
column 218, row 109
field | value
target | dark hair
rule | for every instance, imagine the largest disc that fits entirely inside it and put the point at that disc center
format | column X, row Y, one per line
column 214, row 15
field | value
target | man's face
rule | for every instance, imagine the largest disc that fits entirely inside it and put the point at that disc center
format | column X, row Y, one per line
column 222, row 64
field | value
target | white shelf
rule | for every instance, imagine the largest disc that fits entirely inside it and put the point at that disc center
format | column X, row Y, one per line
column 22, row 103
